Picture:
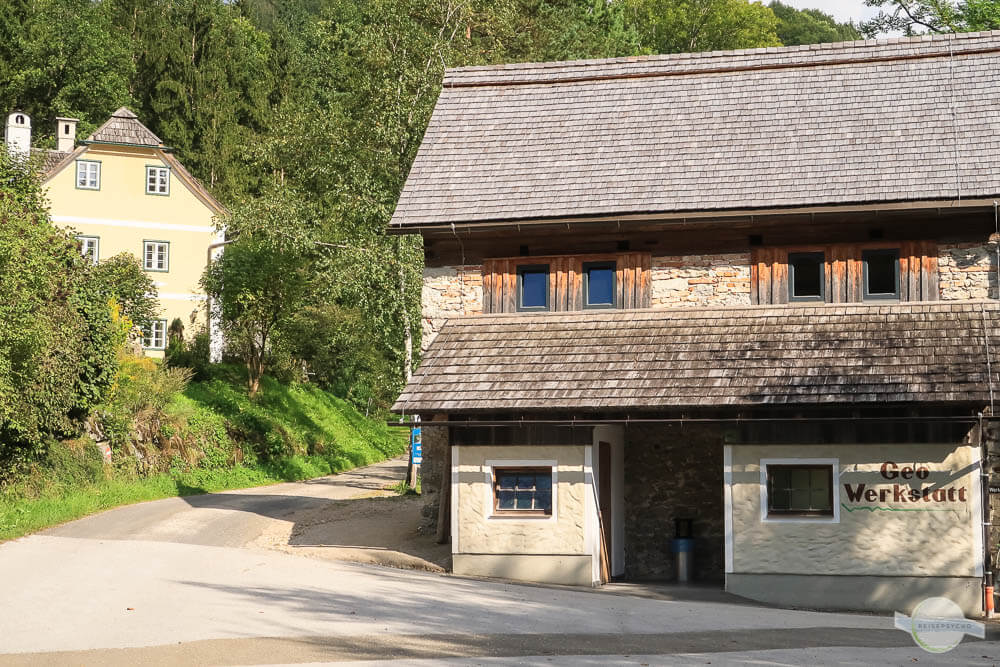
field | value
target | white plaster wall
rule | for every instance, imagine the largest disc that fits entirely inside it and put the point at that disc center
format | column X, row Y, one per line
column 891, row 543
column 479, row 533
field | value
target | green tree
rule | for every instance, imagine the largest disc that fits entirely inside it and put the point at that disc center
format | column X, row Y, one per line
column 935, row 16
column 810, row 26
column 264, row 276
column 58, row 339
column 676, row 26
column 62, row 57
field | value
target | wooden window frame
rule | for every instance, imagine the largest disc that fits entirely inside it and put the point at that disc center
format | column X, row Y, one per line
column 918, row 277
column 866, row 295
column 532, row 268
column 632, row 290
column 523, row 469
column 772, row 513
column 586, row 267
column 821, row 297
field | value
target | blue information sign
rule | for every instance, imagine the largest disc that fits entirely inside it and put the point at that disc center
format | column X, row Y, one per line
column 416, row 451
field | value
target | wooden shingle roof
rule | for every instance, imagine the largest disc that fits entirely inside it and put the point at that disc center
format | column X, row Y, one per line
column 826, row 124
column 124, row 127
column 835, row 354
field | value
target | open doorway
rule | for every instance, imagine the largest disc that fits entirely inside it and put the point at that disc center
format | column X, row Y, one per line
column 609, row 461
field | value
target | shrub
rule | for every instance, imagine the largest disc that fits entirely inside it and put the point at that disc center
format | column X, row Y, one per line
column 57, row 337
column 121, row 278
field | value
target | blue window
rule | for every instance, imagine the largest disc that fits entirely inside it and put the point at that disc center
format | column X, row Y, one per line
column 599, row 285
column 522, row 490
column 533, row 287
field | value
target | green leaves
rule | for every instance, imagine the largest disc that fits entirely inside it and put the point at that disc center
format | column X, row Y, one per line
column 913, row 17
column 58, row 342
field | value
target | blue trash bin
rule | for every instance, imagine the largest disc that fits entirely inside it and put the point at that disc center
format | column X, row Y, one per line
column 683, row 548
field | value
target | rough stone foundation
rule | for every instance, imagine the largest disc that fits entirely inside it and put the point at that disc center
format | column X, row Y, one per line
column 673, row 472
column 701, row 280
column 967, row 271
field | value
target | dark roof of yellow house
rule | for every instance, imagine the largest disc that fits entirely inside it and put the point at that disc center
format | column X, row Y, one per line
column 124, row 127
column 835, row 355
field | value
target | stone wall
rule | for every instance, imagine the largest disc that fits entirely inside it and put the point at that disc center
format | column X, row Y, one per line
column 673, row 472
column 701, row 280
column 449, row 291
column 967, row 271
column 434, row 471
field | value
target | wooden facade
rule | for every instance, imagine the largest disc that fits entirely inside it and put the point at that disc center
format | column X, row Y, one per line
column 632, row 280
column 843, row 271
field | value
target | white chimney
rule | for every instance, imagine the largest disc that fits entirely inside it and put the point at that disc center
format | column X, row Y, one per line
column 18, row 134
column 66, row 134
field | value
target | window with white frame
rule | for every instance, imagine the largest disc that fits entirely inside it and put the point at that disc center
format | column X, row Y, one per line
column 522, row 490
column 88, row 175
column 156, row 255
column 799, row 489
column 156, row 339
column 90, row 248
column 157, row 181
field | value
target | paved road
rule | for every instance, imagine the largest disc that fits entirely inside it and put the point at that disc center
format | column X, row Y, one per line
column 171, row 582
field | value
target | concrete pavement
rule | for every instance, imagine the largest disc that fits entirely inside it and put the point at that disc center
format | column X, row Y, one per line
column 87, row 593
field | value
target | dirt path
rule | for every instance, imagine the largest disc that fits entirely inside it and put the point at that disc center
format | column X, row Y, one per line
column 375, row 526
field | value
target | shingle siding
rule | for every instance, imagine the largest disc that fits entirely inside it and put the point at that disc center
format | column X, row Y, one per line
column 822, row 129
column 706, row 357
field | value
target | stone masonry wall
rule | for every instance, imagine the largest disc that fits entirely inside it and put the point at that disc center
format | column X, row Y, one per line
column 967, row 271
column 701, row 280
column 449, row 291
column 673, row 472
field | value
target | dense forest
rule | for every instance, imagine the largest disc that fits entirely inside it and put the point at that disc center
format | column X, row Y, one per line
column 303, row 117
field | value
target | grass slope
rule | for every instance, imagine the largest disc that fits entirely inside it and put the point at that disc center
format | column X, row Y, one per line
column 326, row 434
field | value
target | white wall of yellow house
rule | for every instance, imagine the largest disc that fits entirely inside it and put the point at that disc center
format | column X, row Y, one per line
column 879, row 529
column 122, row 216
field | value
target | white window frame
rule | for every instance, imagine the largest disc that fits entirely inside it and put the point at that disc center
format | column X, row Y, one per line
column 88, row 166
column 162, row 324
column 84, row 240
column 156, row 251
column 491, row 515
column 834, row 480
column 160, row 184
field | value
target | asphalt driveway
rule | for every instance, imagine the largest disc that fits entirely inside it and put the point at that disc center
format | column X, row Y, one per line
column 160, row 584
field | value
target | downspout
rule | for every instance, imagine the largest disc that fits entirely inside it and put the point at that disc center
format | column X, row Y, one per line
column 213, row 357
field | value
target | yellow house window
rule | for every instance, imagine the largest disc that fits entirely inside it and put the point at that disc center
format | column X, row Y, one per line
column 157, row 181
column 156, row 339
column 90, row 248
column 88, row 175
column 156, row 255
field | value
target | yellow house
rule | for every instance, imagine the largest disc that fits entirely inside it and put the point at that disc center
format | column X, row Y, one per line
column 122, row 190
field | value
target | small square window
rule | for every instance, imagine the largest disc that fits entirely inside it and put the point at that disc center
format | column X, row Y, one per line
column 90, row 248
column 599, row 284
column 157, row 181
column 156, row 339
column 799, row 490
column 88, row 175
column 806, row 279
column 156, row 255
column 881, row 274
column 522, row 491
column 533, row 287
